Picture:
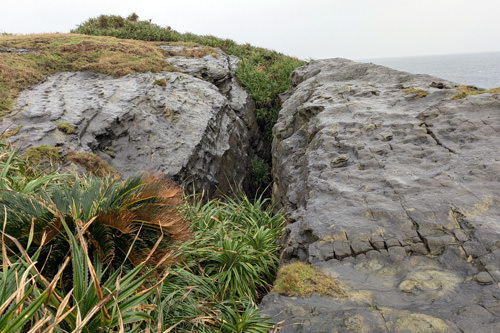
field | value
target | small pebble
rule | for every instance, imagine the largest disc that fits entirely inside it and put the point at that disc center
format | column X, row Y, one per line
column 484, row 278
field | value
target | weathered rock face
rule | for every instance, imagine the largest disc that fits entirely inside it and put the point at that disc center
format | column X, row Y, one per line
column 394, row 195
column 197, row 129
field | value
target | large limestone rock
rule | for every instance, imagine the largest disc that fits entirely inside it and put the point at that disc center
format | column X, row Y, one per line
column 393, row 194
column 195, row 125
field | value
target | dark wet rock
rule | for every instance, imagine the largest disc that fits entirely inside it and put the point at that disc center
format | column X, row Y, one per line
column 394, row 195
column 195, row 131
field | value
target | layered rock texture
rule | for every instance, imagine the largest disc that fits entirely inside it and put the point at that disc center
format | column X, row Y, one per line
column 196, row 125
column 391, row 187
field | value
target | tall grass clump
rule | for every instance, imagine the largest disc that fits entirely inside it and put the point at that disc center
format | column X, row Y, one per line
column 263, row 73
column 225, row 270
column 98, row 301
column 18, row 174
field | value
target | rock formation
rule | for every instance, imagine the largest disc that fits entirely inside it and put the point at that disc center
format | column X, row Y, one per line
column 391, row 187
column 196, row 125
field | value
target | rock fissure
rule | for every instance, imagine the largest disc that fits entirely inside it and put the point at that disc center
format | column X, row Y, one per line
column 416, row 225
column 363, row 177
column 438, row 142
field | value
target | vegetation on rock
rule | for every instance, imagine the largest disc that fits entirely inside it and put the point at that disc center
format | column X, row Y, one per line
column 43, row 153
column 263, row 73
column 420, row 93
column 260, row 175
column 92, row 163
column 66, row 128
column 133, row 255
column 189, row 50
column 465, row 91
column 160, row 82
column 70, row 52
column 301, row 279
column 10, row 132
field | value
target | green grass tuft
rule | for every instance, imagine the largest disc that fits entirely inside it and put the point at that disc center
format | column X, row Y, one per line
column 260, row 175
column 66, row 128
column 43, row 153
column 420, row 93
column 160, row 82
column 10, row 132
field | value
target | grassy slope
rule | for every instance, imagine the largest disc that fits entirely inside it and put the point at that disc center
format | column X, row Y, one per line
column 70, row 52
column 121, row 46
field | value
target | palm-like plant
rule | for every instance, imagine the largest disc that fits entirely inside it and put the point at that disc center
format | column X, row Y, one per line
column 20, row 297
column 140, row 210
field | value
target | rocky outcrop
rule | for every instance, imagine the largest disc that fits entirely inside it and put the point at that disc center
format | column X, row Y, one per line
column 196, row 125
column 391, row 187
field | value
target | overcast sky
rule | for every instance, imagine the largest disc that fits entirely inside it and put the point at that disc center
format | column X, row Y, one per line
column 355, row 29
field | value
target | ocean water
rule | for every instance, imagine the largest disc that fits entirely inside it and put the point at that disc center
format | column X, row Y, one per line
column 477, row 69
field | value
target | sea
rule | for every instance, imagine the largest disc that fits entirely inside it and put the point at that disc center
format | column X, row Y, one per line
column 481, row 70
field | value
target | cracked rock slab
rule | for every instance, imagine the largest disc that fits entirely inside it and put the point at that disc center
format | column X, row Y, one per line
column 395, row 195
column 194, row 131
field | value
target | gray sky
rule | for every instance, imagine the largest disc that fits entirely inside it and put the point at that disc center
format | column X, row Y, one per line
column 315, row 29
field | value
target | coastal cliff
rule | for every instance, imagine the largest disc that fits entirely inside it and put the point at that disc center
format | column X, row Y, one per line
column 390, row 183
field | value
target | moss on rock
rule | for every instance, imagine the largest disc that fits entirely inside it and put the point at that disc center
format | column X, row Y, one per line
column 92, row 163
column 160, row 82
column 464, row 91
column 66, row 128
column 300, row 279
column 420, row 93
column 43, row 153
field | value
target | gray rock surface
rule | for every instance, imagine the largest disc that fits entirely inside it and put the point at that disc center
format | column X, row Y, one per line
column 394, row 195
column 13, row 50
column 197, row 129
